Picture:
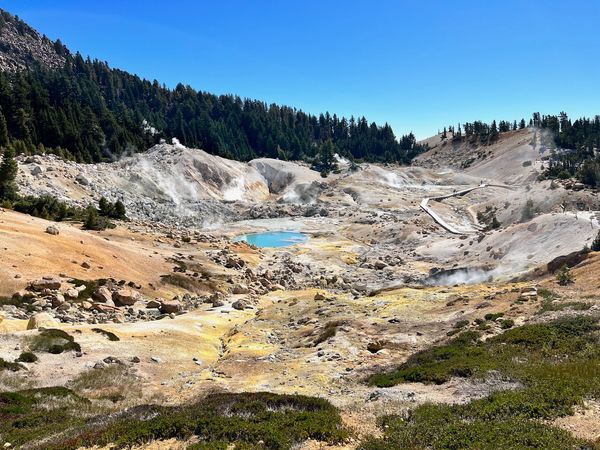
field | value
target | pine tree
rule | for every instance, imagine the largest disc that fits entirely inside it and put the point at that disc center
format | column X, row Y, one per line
column 91, row 218
column 3, row 130
column 119, row 210
column 8, row 175
column 493, row 135
column 104, row 206
column 326, row 162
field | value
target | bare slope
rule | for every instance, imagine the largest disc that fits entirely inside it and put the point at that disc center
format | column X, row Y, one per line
column 510, row 160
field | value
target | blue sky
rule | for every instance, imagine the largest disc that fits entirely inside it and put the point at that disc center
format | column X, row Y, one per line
column 418, row 65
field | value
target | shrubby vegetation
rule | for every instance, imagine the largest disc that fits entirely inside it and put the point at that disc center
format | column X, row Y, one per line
column 50, row 208
column 557, row 363
column 39, row 417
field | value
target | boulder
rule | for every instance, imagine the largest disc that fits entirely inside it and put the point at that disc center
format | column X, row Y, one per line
column 125, row 297
column 240, row 289
column 104, row 308
column 41, row 320
column 102, row 295
column 170, row 306
column 45, row 283
column 570, row 260
column 319, row 296
column 53, row 230
column 36, row 170
column 528, row 293
column 57, row 300
column 380, row 265
column 239, row 305
column 153, row 304
column 71, row 293
column 86, row 305
column 81, row 179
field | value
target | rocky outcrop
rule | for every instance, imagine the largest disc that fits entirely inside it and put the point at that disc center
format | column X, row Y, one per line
column 21, row 46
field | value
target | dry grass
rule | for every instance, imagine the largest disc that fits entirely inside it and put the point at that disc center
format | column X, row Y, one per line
column 115, row 383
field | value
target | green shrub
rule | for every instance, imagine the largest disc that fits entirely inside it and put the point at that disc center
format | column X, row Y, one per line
column 10, row 366
column 47, row 207
column 564, row 276
column 27, row 357
column 492, row 317
column 507, row 323
column 557, row 363
column 217, row 421
column 108, row 334
column 54, row 341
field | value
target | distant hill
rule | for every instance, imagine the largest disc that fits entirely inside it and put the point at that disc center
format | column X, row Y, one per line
column 54, row 101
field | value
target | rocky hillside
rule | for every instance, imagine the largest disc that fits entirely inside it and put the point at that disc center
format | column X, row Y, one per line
column 21, row 45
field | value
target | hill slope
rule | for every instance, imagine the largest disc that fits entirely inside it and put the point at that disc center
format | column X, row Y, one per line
column 21, row 46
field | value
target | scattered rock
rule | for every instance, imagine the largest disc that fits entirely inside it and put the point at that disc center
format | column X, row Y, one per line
column 41, row 320
column 53, row 230
column 81, row 179
column 125, row 297
column 102, row 295
column 71, row 293
column 45, row 283
column 239, row 305
column 154, row 304
column 170, row 306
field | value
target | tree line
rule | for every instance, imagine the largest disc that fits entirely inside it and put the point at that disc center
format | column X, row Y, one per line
column 89, row 112
column 573, row 146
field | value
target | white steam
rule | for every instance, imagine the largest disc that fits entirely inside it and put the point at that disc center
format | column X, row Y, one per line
column 171, row 183
column 341, row 160
column 235, row 191
column 177, row 144
column 148, row 128
column 472, row 275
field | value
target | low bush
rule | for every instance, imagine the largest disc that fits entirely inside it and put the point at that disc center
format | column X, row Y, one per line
column 27, row 357
column 11, row 366
column 53, row 341
column 218, row 421
column 557, row 364
column 108, row 334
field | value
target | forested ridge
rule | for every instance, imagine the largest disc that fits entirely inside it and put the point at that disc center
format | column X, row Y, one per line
column 574, row 147
column 90, row 112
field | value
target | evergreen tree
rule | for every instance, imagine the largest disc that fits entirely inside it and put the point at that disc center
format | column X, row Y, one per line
column 119, row 210
column 92, row 220
column 3, row 130
column 326, row 162
column 104, row 206
column 8, row 175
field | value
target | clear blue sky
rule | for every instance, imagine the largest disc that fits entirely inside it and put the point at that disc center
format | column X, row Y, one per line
column 418, row 65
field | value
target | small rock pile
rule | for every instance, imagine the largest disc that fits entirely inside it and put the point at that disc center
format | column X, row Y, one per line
column 113, row 301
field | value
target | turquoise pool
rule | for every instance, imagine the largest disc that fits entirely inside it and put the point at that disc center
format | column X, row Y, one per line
column 273, row 238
